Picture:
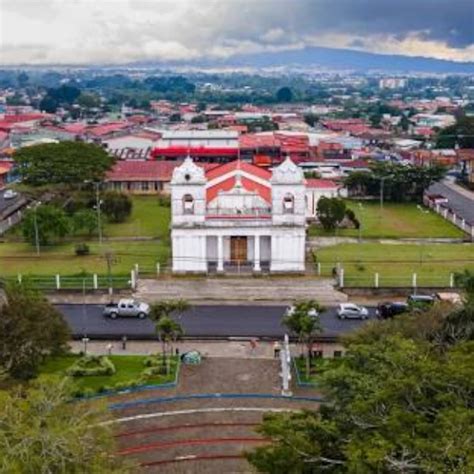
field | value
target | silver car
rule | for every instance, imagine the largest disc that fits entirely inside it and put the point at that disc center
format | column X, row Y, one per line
column 352, row 311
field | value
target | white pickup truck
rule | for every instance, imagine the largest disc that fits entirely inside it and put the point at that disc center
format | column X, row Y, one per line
column 127, row 308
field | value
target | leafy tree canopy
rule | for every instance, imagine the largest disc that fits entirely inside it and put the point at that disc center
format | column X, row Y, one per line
column 284, row 94
column 62, row 163
column 461, row 133
column 42, row 433
column 116, row 206
column 30, row 329
column 45, row 222
column 330, row 212
column 401, row 401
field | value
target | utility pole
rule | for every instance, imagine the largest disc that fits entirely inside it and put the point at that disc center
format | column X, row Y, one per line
column 109, row 256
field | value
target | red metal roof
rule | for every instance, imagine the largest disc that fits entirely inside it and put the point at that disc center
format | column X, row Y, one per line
column 194, row 151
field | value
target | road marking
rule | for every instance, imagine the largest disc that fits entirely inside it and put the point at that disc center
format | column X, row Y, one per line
column 192, row 412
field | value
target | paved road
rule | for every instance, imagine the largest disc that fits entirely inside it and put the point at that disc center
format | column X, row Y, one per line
column 459, row 202
column 200, row 321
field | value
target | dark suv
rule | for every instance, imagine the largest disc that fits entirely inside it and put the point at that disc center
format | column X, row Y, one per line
column 389, row 310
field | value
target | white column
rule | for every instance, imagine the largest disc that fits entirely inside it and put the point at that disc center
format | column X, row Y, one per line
column 256, row 253
column 220, row 253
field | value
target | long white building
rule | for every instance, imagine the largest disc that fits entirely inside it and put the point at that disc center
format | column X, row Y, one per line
column 238, row 217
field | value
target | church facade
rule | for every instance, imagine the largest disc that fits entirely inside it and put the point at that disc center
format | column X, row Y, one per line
column 238, row 217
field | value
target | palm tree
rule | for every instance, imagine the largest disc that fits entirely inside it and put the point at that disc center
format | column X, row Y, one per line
column 168, row 331
column 304, row 322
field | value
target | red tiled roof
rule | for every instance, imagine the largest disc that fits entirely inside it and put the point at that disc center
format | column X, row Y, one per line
column 238, row 164
column 132, row 170
column 249, row 184
column 106, row 128
column 320, row 183
column 258, row 141
column 25, row 117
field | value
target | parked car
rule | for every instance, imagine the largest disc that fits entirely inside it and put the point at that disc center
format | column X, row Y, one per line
column 291, row 309
column 128, row 308
column 352, row 311
column 417, row 300
column 389, row 310
column 10, row 194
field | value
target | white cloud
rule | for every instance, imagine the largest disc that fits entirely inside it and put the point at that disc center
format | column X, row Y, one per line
column 118, row 31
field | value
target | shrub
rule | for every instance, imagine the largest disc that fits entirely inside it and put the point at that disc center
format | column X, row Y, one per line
column 91, row 365
column 116, row 206
column 82, row 249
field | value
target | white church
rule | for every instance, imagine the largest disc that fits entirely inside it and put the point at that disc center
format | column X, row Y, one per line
column 238, row 217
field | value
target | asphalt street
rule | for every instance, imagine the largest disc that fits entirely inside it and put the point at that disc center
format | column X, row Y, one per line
column 199, row 322
column 462, row 205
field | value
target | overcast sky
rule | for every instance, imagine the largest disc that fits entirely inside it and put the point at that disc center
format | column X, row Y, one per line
column 118, row 31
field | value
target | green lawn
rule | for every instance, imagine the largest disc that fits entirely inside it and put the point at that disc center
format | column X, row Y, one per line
column 21, row 258
column 394, row 221
column 148, row 219
column 128, row 369
column 396, row 263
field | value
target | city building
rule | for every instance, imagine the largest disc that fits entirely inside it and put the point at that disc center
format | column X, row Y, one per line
column 238, row 217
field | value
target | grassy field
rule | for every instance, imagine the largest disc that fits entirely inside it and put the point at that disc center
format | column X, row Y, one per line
column 394, row 221
column 396, row 263
column 148, row 219
column 21, row 258
column 128, row 369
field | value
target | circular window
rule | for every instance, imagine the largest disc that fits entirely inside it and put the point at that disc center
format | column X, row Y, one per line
column 187, row 177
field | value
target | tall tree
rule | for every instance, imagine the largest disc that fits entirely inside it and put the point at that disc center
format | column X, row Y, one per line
column 30, row 329
column 330, row 212
column 41, row 432
column 284, row 94
column 168, row 331
column 45, row 223
column 303, row 322
column 68, row 163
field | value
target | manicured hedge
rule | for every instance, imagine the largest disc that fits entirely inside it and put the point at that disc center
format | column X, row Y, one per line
column 91, row 365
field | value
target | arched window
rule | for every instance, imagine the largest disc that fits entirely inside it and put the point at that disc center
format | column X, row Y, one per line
column 288, row 204
column 188, row 204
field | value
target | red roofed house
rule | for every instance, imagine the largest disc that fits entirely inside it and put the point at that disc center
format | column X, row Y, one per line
column 238, row 217
column 143, row 177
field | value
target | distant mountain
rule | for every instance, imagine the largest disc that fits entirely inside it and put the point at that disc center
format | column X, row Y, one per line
column 332, row 58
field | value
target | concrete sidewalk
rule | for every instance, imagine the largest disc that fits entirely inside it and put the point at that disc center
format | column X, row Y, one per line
column 229, row 349
column 267, row 290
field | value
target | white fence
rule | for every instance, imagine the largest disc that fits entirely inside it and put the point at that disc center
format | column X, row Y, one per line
column 449, row 214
